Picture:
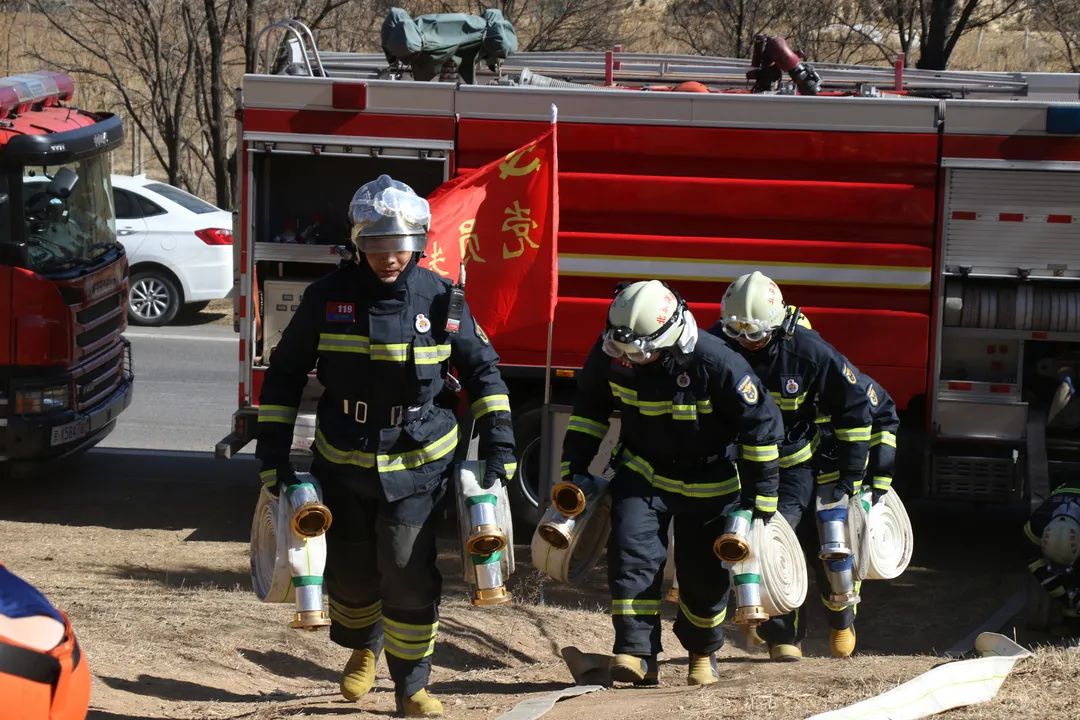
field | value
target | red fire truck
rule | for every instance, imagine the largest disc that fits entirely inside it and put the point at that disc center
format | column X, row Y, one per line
column 927, row 222
column 63, row 276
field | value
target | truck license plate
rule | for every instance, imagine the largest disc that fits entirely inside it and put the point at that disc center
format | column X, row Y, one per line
column 71, row 431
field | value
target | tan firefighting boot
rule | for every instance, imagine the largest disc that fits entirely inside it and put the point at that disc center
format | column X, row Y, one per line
column 842, row 642
column 629, row 668
column 359, row 674
column 785, row 653
column 702, row 670
column 420, row 704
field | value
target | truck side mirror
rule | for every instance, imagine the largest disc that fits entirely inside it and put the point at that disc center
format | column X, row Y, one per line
column 63, row 182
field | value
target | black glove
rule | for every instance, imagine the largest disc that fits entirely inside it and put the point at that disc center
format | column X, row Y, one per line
column 758, row 513
column 277, row 478
column 499, row 467
column 877, row 494
column 491, row 477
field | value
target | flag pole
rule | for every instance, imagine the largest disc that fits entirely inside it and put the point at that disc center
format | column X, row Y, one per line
column 551, row 319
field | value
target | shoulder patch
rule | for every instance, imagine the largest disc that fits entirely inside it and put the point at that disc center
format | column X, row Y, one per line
column 480, row 333
column 748, row 390
column 872, row 396
column 849, row 375
column 340, row 312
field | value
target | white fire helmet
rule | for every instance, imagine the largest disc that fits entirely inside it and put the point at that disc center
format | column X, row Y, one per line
column 752, row 307
column 645, row 318
column 1061, row 537
column 388, row 216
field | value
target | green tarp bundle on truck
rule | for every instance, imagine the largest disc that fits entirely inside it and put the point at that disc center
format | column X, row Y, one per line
column 425, row 43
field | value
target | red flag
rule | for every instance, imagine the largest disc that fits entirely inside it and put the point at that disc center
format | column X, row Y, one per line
column 502, row 221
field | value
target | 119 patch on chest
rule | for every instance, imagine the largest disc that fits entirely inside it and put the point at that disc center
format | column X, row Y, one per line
column 340, row 312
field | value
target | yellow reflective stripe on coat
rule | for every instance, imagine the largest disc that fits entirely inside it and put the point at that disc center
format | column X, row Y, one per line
column 826, row 478
column 790, row 404
column 431, row 355
column 564, row 469
column 855, row 434
column 277, row 414
column 881, row 482
column 759, row 453
column 801, row 455
column 580, row 424
column 635, row 607
column 883, row 438
column 656, row 408
column 510, row 469
column 405, row 649
column 766, row 503
column 355, row 618
column 694, row 490
column 822, row 419
column 409, row 631
column 268, row 477
column 490, row 404
column 361, row 345
column 702, row 622
column 409, row 460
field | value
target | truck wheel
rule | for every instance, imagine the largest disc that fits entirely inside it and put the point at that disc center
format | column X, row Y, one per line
column 154, row 298
column 524, row 488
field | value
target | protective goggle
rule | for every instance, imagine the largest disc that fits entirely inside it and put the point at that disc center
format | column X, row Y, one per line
column 752, row 330
column 621, row 342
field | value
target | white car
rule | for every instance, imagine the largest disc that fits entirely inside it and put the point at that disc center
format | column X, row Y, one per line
column 179, row 248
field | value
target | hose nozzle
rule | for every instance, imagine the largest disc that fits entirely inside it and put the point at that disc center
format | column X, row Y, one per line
column 311, row 519
column 568, row 498
column 732, row 546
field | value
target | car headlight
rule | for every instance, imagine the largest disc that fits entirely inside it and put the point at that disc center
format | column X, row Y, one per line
column 32, row 401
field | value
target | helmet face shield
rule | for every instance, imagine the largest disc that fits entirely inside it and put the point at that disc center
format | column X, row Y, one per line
column 388, row 216
column 752, row 330
column 1061, row 538
column 622, row 342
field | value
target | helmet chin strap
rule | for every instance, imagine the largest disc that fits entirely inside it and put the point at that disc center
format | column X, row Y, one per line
column 679, row 353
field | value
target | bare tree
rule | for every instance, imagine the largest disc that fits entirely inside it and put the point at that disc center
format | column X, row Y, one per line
column 566, row 24
column 141, row 49
column 1064, row 17
column 725, row 27
column 939, row 24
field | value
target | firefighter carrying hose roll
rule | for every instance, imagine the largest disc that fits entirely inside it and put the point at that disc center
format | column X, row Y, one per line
column 683, row 398
column 1054, row 531
column 381, row 332
column 808, row 377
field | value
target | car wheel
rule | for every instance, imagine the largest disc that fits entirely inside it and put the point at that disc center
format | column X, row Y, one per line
column 524, row 488
column 154, row 298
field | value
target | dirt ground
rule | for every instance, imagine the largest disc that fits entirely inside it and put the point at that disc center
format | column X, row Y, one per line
column 154, row 573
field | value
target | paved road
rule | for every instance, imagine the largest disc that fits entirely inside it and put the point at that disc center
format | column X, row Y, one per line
column 185, row 389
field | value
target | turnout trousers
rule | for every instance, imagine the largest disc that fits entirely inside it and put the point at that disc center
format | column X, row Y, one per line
column 381, row 578
column 797, row 506
column 637, row 553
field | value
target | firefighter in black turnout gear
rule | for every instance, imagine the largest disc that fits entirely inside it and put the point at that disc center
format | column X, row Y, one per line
column 376, row 330
column 809, row 378
column 880, row 468
column 683, row 398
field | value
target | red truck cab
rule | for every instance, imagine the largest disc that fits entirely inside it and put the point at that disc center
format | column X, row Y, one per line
column 65, row 368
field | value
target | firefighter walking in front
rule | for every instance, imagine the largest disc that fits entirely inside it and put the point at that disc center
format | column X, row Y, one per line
column 683, row 398
column 381, row 331
column 809, row 378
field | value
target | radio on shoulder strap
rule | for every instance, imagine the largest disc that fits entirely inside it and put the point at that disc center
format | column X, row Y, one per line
column 457, row 303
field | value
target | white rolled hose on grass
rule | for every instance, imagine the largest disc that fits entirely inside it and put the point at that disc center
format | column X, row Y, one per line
column 587, row 536
column 881, row 537
column 781, row 564
column 952, row 685
column 278, row 553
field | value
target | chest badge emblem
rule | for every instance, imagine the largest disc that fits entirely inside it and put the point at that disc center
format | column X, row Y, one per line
column 422, row 323
column 683, row 380
column 791, row 386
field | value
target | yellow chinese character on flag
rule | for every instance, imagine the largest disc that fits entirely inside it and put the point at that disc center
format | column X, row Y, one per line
column 520, row 224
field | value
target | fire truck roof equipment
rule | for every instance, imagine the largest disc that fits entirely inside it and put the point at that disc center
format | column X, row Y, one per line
column 18, row 93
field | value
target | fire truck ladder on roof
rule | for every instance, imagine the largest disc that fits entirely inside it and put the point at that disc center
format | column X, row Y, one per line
column 297, row 54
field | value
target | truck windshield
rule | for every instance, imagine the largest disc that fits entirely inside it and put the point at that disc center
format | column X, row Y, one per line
column 68, row 223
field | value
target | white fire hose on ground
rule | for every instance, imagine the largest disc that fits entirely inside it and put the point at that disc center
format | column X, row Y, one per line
column 881, row 536
column 487, row 536
column 288, row 549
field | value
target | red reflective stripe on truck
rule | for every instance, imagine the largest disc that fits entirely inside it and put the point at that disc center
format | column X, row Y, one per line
column 1011, row 217
column 1059, row 219
column 963, row 215
column 330, row 122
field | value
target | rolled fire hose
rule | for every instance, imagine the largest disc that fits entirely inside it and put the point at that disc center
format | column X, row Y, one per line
column 777, row 557
column 288, row 549
column 881, row 538
column 586, row 537
column 942, row 688
column 484, row 572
